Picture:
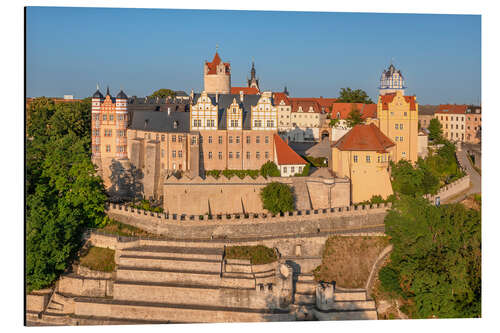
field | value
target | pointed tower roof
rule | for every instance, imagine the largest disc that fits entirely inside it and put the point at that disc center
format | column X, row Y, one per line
column 121, row 95
column 107, row 92
column 97, row 94
column 212, row 66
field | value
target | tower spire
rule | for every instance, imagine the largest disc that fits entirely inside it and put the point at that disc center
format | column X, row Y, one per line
column 107, row 91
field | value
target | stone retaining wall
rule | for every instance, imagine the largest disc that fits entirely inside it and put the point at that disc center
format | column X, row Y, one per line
column 85, row 286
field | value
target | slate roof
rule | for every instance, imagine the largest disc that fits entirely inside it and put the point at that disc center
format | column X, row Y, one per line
column 121, row 95
column 160, row 121
column 285, row 154
column 224, row 100
column 427, row 110
column 97, row 94
column 364, row 138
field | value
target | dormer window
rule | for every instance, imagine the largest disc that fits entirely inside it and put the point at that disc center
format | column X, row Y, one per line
column 338, row 115
column 176, row 124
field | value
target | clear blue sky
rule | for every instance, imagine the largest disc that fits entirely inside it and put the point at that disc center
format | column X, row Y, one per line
column 69, row 50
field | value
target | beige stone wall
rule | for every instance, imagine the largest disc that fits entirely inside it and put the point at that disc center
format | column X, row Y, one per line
column 452, row 189
column 367, row 178
column 37, row 301
column 85, row 286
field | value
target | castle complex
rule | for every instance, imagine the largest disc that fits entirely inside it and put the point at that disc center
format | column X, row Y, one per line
column 138, row 144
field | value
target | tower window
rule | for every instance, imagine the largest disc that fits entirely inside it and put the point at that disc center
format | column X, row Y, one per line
column 355, row 158
column 220, row 155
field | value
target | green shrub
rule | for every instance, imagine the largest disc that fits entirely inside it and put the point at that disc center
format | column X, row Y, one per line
column 277, row 197
column 389, row 279
column 270, row 169
column 257, row 255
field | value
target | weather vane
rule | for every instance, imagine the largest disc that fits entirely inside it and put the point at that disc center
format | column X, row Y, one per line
column 216, row 47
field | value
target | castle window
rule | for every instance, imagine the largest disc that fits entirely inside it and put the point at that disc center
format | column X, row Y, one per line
column 193, row 140
column 267, row 155
column 257, row 155
column 180, row 153
column 400, row 126
column 378, row 159
column 405, row 114
column 237, row 154
column 180, row 138
column 110, row 117
column 230, row 154
column 248, row 139
column 396, row 126
column 157, row 137
column 237, row 139
column 292, row 169
column 403, row 154
column 368, row 159
column 174, row 138
column 266, row 139
column 104, row 117
column 108, row 148
column 220, row 155
column 248, row 155
column 163, row 138
column 284, row 169
column 209, row 155
column 257, row 139
column 220, row 140
column 397, row 138
column 401, row 139
column 230, row 139
column 210, row 139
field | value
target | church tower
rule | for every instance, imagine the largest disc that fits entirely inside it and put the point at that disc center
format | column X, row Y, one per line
column 391, row 81
column 253, row 82
column 217, row 76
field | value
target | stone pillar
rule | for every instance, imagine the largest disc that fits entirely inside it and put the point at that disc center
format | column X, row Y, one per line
column 324, row 295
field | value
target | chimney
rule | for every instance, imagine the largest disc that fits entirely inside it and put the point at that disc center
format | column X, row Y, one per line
column 216, row 96
column 241, row 96
column 168, row 111
column 192, row 94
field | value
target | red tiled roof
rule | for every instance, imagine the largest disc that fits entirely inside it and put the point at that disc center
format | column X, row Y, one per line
column 451, row 108
column 367, row 110
column 366, row 138
column 387, row 98
column 285, row 154
column 246, row 90
column 212, row 66
column 280, row 96
column 305, row 103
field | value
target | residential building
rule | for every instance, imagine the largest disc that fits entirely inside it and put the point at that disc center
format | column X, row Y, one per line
column 425, row 114
column 305, row 119
column 452, row 118
column 363, row 156
column 473, row 124
column 284, row 106
column 341, row 112
column 288, row 161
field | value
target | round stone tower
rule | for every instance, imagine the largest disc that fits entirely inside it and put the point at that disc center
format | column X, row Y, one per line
column 217, row 76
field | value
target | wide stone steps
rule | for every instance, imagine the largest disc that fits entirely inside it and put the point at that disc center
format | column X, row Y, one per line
column 181, row 313
column 176, row 252
column 126, row 273
column 305, row 278
column 349, row 295
column 183, row 293
column 165, row 262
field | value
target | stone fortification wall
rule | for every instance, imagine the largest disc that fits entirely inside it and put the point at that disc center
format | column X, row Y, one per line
column 451, row 190
column 250, row 225
column 228, row 196
column 85, row 286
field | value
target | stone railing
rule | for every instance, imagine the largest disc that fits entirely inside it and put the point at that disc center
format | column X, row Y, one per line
column 166, row 218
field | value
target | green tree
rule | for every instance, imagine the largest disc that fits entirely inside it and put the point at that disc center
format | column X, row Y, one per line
column 334, row 122
column 63, row 193
column 270, row 169
column 347, row 95
column 435, row 130
column 354, row 118
column 436, row 258
column 162, row 93
column 277, row 197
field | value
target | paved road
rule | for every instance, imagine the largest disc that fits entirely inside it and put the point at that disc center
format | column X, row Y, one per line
column 318, row 149
column 475, row 177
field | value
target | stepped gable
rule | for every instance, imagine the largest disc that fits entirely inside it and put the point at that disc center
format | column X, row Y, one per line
column 388, row 98
column 364, row 138
column 223, row 103
column 285, row 154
